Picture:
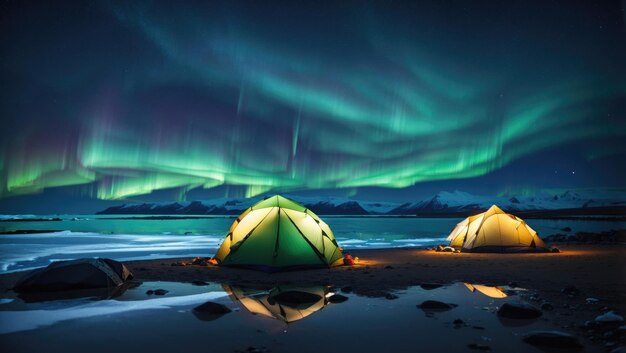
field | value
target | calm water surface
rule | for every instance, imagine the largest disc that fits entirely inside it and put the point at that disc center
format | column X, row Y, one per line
column 128, row 239
column 262, row 318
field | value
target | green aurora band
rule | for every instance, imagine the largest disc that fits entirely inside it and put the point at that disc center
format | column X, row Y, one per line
column 393, row 110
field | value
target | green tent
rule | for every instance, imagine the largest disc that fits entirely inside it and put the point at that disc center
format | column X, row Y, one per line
column 277, row 234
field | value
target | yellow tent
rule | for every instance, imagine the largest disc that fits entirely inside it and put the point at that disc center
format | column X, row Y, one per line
column 276, row 302
column 495, row 231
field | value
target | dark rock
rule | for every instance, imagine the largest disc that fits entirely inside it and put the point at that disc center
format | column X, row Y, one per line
column 160, row 292
column 570, row 291
column 337, row 298
column 554, row 249
column 458, row 323
column 519, row 310
column 555, row 339
column 479, row 347
column 534, row 298
column 433, row 305
column 430, row 286
column 251, row 349
column 566, row 229
column 478, row 327
column 72, row 275
column 439, row 248
column 610, row 317
column 391, row 296
column 210, row 311
column 547, row 307
column 388, row 267
column 199, row 261
column 347, row 289
column 200, row 283
column 149, row 292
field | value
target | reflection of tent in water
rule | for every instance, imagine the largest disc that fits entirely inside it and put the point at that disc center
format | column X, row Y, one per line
column 277, row 234
column 495, row 231
column 492, row 292
column 285, row 303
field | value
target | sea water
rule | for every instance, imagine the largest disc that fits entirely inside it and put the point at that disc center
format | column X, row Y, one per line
column 141, row 237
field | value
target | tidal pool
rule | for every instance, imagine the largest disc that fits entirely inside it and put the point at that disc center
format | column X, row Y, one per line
column 283, row 318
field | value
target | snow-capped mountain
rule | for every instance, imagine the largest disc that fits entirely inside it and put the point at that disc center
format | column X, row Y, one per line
column 225, row 206
column 463, row 202
column 442, row 203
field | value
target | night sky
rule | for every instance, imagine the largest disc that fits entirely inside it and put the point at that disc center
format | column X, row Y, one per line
column 379, row 100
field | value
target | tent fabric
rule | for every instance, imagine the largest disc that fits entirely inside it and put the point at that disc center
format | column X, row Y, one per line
column 495, row 231
column 269, row 303
column 76, row 274
column 277, row 234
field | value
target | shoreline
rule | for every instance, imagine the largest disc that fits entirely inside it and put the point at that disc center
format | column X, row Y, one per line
column 558, row 283
column 381, row 271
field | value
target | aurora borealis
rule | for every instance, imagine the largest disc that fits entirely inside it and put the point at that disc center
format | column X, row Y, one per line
column 126, row 98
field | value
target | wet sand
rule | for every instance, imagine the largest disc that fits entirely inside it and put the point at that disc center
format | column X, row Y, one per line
column 596, row 270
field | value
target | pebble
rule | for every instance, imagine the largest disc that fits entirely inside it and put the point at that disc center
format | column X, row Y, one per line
column 556, row 339
column 391, row 296
column 517, row 309
column 610, row 317
column 592, row 300
column 337, row 298
column 435, row 305
column 346, row 289
column 570, row 291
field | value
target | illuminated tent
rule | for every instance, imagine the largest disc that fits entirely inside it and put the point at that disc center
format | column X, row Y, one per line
column 284, row 303
column 495, row 231
column 277, row 234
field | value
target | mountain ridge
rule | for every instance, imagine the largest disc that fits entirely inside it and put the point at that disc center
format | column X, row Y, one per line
column 444, row 202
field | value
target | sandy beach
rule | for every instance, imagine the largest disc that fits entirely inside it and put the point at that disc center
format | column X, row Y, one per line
column 563, row 282
column 596, row 270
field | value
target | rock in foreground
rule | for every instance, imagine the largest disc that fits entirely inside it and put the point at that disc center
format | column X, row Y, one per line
column 77, row 274
column 519, row 310
column 210, row 311
column 552, row 339
column 435, row 305
column 610, row 317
